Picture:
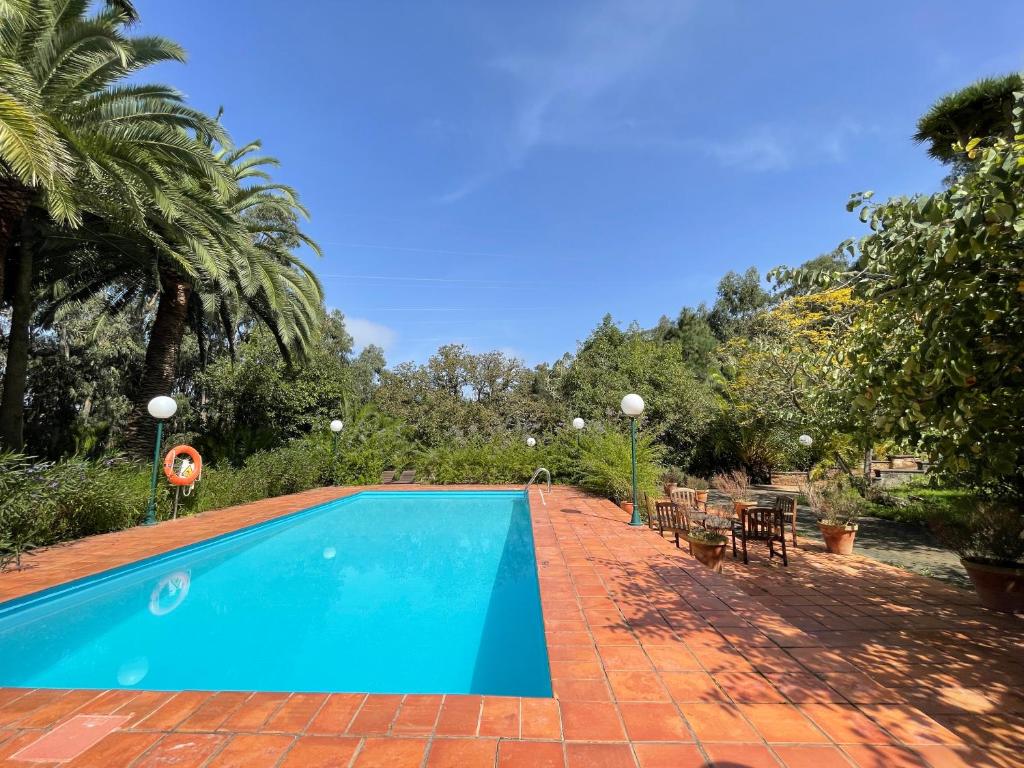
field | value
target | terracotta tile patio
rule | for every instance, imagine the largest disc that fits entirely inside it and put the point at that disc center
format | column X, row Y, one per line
column 656, row 663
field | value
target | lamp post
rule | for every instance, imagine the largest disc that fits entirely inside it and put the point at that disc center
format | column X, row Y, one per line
column 160, row 408
column 578, row 424
column 336, row 426
column 807, row 441
column 633, row 405
column 530, row 442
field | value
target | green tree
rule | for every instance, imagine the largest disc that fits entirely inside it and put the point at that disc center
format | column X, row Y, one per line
column 740, row 298
column 935, row 357
column 613, row 362
column 72, row 137
column 984, row 108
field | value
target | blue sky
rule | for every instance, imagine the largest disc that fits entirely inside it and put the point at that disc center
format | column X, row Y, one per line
column 503, row 174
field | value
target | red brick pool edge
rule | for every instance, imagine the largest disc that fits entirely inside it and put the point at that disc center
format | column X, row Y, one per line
column 656, row 662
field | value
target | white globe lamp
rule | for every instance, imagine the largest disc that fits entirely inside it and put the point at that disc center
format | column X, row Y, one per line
column 578, row 423
column 162, row 407
column 530, row 442
column 633, row 405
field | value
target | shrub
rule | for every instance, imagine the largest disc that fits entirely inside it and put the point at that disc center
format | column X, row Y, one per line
column 733, row 484
column 697, row 483
column 44, row 503
column 836, row 503
column 989, row 531
column 605, row 465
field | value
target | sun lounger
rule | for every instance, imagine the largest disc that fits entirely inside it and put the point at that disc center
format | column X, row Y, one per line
column 386, row 478
column 407, row 477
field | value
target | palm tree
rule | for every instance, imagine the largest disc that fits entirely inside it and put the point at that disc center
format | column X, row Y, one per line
column 64, row 114
column 980, row 110
column 223, row 259
column 73, row 139
column 260, row 272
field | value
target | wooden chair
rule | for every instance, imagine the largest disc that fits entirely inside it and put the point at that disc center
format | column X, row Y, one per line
column 761, row 524
column 670, row 519
column 685, row 497
column 647, row 505
column 787, row 505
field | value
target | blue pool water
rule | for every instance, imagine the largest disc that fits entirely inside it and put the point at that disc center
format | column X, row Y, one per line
column 389, row 592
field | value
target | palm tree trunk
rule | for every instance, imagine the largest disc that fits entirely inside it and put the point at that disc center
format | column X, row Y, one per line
column 161, row 365
column 14, row 202
column 12, row 404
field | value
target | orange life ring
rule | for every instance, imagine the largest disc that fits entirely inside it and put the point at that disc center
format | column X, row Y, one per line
column 183, row 450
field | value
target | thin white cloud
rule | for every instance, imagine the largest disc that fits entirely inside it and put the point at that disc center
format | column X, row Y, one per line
column 781, row 147
column 365, row 332
column 558, row 91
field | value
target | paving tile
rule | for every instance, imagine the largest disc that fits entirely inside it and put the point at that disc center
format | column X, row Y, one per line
column 254, row 712
column 173, row 711
column 599, row 756
column 672, row 658
column 417, row 716
column 568, row 689
column 320, row 752
column 910, row 725
column 669, row 756
column 693, row 688
column 462, row 753
column 500, row 717
column 336, row 714
column 540, row 719
column 782, row 723
column 181, row 750
column 212, row 713
column 811, row 756
column 57, row 709
column 530, row 754
column 375, row 715
column 69, row 739
column 718, row 722
column 637, row 686
column 750, row 755
column 119, row 748
column 845, row 724
column 591, row 721
column 749, row 688
column 252, row 750
column 391, row 753
column 865, row 756
column 460, row 716
column 648, row 721
column 624, row 657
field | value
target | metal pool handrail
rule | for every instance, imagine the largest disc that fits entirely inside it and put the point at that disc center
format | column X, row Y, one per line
column 526, row 488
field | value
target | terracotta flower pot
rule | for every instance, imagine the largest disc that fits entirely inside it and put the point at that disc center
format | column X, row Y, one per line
column 999, row 587
column 701, row 497
column 838, row 538
column 627, row 506
column 710, row 555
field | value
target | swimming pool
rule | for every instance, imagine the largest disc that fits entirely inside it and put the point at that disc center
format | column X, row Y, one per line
column 381, row 592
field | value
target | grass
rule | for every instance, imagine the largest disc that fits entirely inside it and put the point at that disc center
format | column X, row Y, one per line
column 925, row 502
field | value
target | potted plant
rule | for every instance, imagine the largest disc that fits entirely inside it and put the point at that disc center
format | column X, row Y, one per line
column 670, row 480
column 700, row 487
column 989, row 537
column 708, row 547
column 736, row 486
column 838, row 511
